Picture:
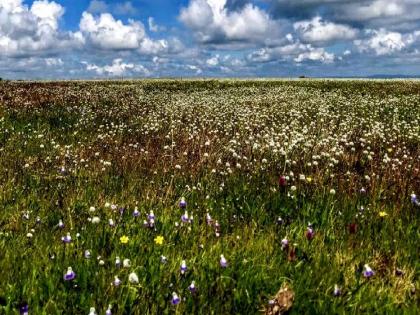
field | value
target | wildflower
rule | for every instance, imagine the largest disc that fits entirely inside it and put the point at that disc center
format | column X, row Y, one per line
column 282, row 181
column 116, row 281
column 126, row 263
column 209, row 220
column 175, row 299
column 182, row 203
column 163, row 259
column 332, row 191
column 69, row 275
column 309, row 179
column 29, row 235
column 383, row 214
column 223, row 261
column 183, row 267
column 337, row 290
column 367, row 272
column 159, row 240
column 24, row 309
column 87, row 254
column 111, row 223
column 136, row 212
column 117, row 261
column 279, row 221
column 309, row 232
column 108, row 311
column 192, row 287
column 92, row 311
column 284, row 244
column 133, row 278
column 96, row 220
column 124, row 239
column 66, row 239
column 92, row 209
column 293, row 188
column 184, row 217
column 362, row 190
column 414, row 200
column 60, row 224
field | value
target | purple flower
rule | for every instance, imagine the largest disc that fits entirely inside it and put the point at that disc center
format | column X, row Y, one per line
column 337, row 290
column 223, row 261
column 24, row 309
column 192, row 287
column 116, row 281
column 182, row 203
column 184, row 217
column 66, row 239
column 60, row 224
column 69, row 275
column 175, row 299
column 136, row 213
column 108, row 311
column 151, row 215
column 367, row 272
column 284, row 243
column 414, row 200
column 183, row 267
column 310, row 233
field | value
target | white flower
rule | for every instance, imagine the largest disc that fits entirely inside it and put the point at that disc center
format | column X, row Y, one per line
column 133, row 278
column 92, row 209
column 96, row 220
column 126, row 263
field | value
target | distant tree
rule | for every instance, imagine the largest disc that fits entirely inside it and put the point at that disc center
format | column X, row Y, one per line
column 302, row 77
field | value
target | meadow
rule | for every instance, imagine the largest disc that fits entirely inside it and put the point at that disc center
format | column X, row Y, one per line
column 210, row 196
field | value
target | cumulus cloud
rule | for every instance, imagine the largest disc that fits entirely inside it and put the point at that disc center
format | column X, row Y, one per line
column 107, row 33
column 291, row 49
column 212, row 22
column 118, row 68
column 30, row 30
column 319, row 31
column 97, row 6
column 383, row 42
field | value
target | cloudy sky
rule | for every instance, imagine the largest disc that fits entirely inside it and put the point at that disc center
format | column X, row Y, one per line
column 224, row 38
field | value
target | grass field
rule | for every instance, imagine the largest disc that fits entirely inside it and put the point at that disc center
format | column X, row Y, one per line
column 207, row 197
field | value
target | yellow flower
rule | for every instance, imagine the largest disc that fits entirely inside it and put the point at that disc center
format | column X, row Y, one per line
column 159, row 240
column 389, row 150
column 309, row 179
column 124, row 239
column 383, row 214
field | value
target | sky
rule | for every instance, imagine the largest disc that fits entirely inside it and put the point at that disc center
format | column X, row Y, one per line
column 78, row 39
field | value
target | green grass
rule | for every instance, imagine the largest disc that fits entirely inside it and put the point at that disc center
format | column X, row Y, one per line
column 334, row 132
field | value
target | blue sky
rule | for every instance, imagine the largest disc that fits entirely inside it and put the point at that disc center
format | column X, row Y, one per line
column 65, row 39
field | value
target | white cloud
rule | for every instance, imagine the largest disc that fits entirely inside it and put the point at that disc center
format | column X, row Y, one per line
column 376, row 9
column 212, row 22
column 153, row 27
column 105, row 32
column 118, row 68
column 383, row 42
column 25, row 30
column 213, row 61
column 315, row 54
column 125, row 8
column 97, row 6
column 319, row 31
column 53, row 62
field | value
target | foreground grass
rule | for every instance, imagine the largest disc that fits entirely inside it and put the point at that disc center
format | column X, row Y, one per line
column 347, row 154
